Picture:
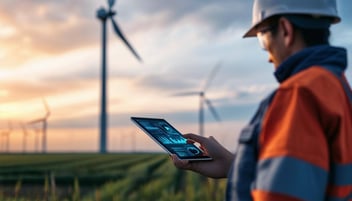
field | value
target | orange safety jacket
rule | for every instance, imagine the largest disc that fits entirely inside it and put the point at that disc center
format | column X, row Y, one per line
column 298, row 146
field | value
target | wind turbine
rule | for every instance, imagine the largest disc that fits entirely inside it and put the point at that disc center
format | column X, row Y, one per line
column 24, row 139
column 104, row 15
column 203, row 99
column 6, row 134
column 36, row 139
column 44, row 121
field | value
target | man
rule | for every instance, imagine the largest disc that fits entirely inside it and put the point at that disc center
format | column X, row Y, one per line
column 298, row 146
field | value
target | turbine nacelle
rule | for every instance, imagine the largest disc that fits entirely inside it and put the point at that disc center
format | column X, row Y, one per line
column 103, row 14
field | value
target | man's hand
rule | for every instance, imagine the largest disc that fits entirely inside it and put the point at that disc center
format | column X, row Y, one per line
column 216, row 168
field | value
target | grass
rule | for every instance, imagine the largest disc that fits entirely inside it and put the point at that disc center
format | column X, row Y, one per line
column 102, row 177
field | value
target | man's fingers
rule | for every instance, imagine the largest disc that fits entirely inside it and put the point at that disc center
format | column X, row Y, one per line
column 195, row 138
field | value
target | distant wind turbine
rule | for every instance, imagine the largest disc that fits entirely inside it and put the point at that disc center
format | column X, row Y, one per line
column 203, row 99
column 44, row 121
column 36, row 139
column 24, row 139
column 6, row 134
column 104, row 14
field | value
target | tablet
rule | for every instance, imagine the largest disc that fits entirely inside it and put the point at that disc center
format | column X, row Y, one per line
column 169, row 138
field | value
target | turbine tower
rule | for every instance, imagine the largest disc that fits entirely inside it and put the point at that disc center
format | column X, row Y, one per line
column 203, row 100
column 44, row 121
column 103, row 15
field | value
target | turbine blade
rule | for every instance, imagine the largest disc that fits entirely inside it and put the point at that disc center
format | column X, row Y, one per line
column 190, row 93
column 211, row 76
column 111, row 3
column 46, row 108
column 121, row 35
column 212, row 109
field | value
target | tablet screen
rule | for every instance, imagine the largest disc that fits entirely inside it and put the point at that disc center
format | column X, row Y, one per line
column 169, row 138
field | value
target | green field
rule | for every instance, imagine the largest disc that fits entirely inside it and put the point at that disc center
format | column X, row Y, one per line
column 102, row 177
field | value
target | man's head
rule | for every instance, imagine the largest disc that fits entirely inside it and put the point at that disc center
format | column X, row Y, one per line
column 286, row 26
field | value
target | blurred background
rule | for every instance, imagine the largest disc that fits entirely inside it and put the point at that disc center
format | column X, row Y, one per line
column 50, row 63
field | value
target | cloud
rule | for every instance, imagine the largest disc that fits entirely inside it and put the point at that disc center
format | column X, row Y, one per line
column 44, row 28
column 56, row 47
column 41, row 28
column 209, row 18
column 163, row 83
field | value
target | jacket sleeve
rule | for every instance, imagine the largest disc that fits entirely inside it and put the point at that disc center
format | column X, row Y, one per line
column 293, row 152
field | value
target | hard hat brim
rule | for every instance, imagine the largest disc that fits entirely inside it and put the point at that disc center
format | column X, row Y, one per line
column 251, row 33
column 302, row 21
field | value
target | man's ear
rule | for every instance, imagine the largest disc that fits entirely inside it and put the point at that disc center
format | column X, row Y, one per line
column 287, row 31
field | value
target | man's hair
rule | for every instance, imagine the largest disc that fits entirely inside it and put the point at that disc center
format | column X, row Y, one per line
column 310, row 36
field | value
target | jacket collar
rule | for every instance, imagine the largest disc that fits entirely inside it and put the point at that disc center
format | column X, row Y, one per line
column 323, row 55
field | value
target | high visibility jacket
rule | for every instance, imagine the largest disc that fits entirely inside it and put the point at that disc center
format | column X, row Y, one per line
column 298, row 146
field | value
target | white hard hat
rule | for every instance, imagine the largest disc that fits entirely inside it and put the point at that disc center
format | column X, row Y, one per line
column 318, row 9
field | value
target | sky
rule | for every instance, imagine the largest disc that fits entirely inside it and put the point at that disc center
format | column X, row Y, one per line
column 51, row 50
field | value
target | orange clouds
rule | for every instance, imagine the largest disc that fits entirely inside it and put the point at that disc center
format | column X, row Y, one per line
column 33, row 29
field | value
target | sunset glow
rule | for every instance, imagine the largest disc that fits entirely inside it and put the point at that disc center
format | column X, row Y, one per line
column 51, row 50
